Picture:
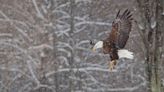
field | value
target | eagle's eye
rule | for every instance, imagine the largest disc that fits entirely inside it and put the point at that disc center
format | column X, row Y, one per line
column 91, row 42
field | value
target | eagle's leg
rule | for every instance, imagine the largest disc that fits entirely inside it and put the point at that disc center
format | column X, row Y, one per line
column 112, row 64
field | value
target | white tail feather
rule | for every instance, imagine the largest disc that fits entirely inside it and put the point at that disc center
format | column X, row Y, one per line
column 123, row 53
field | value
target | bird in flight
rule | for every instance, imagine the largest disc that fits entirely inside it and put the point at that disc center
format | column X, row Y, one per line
column 115, row 42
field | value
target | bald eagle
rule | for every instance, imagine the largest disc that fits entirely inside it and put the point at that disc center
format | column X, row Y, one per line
column 115, row 42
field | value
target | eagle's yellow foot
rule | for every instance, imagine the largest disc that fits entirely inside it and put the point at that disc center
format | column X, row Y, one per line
column 112, row 65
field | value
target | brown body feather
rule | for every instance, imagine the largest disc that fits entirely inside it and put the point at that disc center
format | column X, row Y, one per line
column 119, row 35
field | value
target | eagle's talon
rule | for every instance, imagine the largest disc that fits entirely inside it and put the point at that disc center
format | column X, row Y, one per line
column 112, row 65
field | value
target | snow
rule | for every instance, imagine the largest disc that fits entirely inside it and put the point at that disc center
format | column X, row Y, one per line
column 39, row 14
column 140, row 27
column 163, row 13
column 153, row 24
column 36, row 42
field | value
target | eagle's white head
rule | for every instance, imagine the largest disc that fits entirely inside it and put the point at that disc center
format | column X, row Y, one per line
column 98, row 45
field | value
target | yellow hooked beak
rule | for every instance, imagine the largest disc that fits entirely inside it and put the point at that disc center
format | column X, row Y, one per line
column 93, row 49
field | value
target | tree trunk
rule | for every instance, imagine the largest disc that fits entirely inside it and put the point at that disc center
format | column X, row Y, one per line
column 71, row 58
column 156, row 80
column 152, row 32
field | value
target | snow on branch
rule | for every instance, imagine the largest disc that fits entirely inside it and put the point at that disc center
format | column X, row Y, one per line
column 39, row 14
column 62, row 12
column 82, row 42
column 84, row 69
column 7, row 19
column 65, row 51
column 85, row 1
column 6, row 34
column 163, row 13
column 41, row 46
column 129, row 89
column 4, row 15
column 93, row 23
column 62, row 5
column 12, row 21
column 15, row 70
column 153, row 24
column 21, row 89
column 83, row 20
column 62, row 33
column 23, row 33
column 29, row 64
column 14, row 46
column 77, row 30
column 25, row 52
column 64, row 59
column 63, row 44
column 45, row 86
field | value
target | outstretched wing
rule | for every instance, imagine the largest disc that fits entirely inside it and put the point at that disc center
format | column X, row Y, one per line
column 121, row 28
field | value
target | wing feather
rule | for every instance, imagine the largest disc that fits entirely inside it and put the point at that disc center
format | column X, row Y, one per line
column 121, row 28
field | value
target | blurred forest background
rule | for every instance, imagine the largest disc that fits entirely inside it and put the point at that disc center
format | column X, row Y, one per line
column 44, row 46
